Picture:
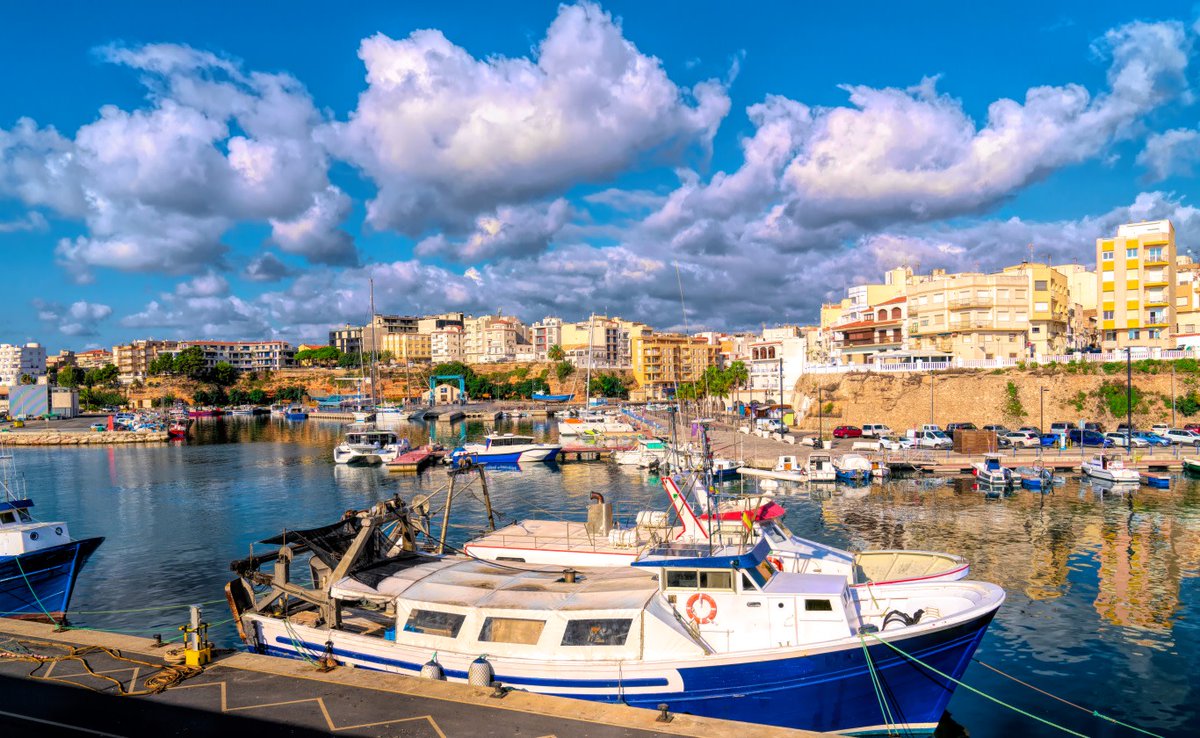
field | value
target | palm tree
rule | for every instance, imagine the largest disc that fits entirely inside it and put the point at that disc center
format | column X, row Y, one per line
column 737, row 374
column 556, row 353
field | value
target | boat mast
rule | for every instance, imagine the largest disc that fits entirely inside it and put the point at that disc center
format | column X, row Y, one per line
column 371, row 282
column 587, row 385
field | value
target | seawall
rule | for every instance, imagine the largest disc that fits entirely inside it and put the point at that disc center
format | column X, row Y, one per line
column 77, row 438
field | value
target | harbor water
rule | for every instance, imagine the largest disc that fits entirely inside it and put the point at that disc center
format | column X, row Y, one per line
column 1103, row 606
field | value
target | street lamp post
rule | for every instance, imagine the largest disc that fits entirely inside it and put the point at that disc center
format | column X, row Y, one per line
column 1172, row 394
column 1129, row 399
column 1042, row 410
column 820, row 417
column 931, row 397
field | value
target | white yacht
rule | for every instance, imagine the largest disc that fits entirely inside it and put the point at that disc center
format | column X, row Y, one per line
column 368, row 445
column 1109, row 469
column 648, row 453
column 506, row 448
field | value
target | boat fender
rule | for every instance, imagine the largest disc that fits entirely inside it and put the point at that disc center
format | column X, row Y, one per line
column 433, row 670
column 776, row 562
column 902, row 617
column 708, row 612
column 480, row 673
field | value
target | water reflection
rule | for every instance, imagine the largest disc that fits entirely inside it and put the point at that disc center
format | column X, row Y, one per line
column 1102, row 584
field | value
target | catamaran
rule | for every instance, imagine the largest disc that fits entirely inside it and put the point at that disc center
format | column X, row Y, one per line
column 365, row 444
column 716, row 631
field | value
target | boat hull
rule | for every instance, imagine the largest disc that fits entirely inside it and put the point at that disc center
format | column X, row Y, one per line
column 296, row 416
column 514, row 454
column 38, row 585
column 818, row 689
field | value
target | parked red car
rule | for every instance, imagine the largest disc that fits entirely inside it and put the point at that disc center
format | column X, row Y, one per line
column 1192, row 427
column 847, row 431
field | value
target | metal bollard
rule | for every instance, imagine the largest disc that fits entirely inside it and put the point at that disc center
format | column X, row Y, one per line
column 663, row 715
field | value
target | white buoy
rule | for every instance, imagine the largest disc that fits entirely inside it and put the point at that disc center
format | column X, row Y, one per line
column 480, row 673
column 433, row 670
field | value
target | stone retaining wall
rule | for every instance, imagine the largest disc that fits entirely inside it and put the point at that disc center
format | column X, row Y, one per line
column 77, row 438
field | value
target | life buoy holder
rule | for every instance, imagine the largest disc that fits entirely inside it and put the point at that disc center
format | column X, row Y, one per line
column 776, row 562
column 708, row 611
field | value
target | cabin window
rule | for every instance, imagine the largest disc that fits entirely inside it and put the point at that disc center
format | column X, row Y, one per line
column 722, row 580
column 682, row 579
column 512, row 630
column 599, row 632
column 24, row 516
column 748, row 583
column 818, row 606
column 432, row 622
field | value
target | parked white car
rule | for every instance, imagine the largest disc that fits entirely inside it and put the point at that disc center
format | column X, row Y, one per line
column 1025, row 439
column 1160, row 429
column 1119, row 439
column 876, row 430
column 931, row 439
column 895, row 443
column 1182, row 437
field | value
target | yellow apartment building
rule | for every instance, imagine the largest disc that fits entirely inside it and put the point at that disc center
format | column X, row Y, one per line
column 970, row 316
column 1049, row 306
column 1187, row 297
column 1136, row 286
column 662, row 361
column 408, row 347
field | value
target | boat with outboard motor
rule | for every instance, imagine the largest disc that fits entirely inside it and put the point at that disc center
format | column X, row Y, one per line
column 705, row 630
column 649, row 453
column 852, row 469
column 505, row 448
column 1109, row 469
column 365, row 444
column 39, row 561
column 991, row 472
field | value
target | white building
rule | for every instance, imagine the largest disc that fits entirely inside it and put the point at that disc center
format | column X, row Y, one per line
column 17, row 360
column 244, row 355
column 446, row 344
column 775, row 366
column 545, row 333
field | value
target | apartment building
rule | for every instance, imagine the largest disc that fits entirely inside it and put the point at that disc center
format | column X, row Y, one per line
column 244, row 355
column 446, row 344
column 1049, row 307
column 63, row 358
column 969, row 316
column 494, row 338
column 1187, row 297
column 406, row 348
column 381, row 326
column 607, row 339
column 1136, row 286
column 543, row 334
column 662, row 361
column 880, row 330
column 776, row 363
column 16, row 361
column 133, row 359
column 94, row 359
column 347, row 339
column 429, row 323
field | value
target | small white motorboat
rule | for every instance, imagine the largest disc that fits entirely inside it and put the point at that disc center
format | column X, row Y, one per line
column 1109, row 469
column 820, row 467
column 991, row 472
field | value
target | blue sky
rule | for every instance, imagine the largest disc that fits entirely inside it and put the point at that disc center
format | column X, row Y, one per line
column 240, row 171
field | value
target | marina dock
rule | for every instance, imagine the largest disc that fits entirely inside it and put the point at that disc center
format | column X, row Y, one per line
column 243, row 694
column 581, row 452
column 414, row 461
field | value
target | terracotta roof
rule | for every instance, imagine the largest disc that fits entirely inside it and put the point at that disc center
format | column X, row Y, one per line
column 901, row 298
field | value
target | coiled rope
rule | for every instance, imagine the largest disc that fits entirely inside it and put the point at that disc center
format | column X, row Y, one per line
column 167, row 676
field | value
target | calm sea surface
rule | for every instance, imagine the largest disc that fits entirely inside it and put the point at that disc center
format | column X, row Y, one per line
column 1102, row 606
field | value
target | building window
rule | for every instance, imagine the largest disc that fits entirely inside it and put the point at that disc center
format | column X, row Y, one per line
column 1130, row 253
column 1039, row 285
column 1106, row 255
column 1154, row 254
column 1002, row 294
column 1037, row 329
column 1041, row 307
column 1109, row 315
column 1154, row 333
column 1134, row 334
column 1110, row 335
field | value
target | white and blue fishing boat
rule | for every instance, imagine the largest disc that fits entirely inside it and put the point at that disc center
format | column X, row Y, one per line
column 710, row 631
column 992, row 473
column 852, row 469
column 296, row 412
column 545, row 397
column 505, row 449
column 39, row 561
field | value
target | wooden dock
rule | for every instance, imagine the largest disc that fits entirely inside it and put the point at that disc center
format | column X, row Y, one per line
column 580, row 452
column 414, row 461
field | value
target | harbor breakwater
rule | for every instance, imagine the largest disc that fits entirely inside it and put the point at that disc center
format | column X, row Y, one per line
column 78, row 438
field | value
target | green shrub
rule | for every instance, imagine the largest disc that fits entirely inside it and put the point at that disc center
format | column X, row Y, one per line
column 1078, row 401
column 1013, row 408
column 1112, row 367
column 1112, row 397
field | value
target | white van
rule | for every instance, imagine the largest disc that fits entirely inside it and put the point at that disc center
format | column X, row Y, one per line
column 932, row 439
column 876, row 430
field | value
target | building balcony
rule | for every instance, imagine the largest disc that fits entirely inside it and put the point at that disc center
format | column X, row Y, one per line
column 970, row 302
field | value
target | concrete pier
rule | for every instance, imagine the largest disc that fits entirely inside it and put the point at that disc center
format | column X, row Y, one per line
column 242, row 694
column 53, row 437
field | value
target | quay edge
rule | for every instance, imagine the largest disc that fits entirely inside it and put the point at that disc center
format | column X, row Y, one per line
column 348, row 698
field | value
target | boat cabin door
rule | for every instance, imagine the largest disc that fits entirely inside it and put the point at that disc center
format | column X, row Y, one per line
column 781, row 617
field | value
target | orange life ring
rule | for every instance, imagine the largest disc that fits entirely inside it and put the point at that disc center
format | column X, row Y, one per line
column 776, row 562
column 710, row 606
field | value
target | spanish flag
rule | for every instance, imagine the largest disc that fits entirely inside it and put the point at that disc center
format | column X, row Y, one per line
column 747, row 522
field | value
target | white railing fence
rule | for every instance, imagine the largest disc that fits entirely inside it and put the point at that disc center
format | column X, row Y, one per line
column 1039, row 360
